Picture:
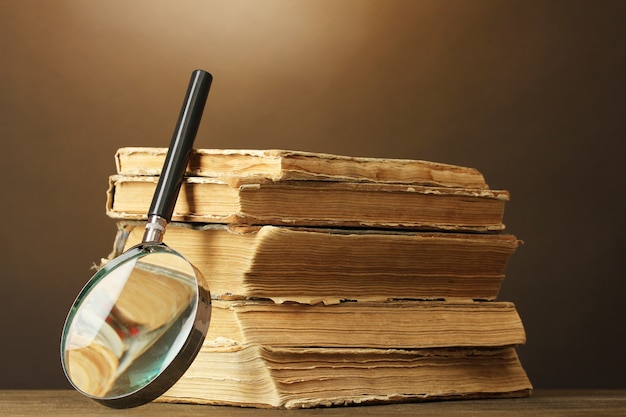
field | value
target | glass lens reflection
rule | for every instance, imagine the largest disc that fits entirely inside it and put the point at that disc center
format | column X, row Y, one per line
column 127, row 327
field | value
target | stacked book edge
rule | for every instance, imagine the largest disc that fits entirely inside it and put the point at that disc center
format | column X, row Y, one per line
column 336, row 280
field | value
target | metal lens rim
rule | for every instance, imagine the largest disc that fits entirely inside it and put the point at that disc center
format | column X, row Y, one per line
column 182, row 360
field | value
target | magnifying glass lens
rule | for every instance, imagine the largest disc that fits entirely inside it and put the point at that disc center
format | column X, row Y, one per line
column 129, row 328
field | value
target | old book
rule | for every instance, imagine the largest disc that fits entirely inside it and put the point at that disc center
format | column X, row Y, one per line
column 397, row 324
column 281, row 165
column 265, row 376
column 312, row 265
column 262, row 354
column 316, row 203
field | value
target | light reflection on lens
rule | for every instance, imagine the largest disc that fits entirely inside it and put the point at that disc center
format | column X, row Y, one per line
column 126, row 329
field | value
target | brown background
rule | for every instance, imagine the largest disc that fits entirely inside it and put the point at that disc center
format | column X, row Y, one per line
column 529, row 92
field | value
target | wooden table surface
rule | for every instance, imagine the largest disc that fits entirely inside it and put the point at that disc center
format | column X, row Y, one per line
column 553, row 403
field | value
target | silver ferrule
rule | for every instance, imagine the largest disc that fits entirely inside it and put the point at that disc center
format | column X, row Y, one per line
column 155, row 229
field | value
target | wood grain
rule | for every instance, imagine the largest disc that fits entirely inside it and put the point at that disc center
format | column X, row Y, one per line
column 553, row 403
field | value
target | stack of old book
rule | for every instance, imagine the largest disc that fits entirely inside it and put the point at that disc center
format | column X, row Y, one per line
column 336, row 280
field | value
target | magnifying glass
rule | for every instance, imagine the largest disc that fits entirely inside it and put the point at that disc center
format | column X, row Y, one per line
column 139, row 322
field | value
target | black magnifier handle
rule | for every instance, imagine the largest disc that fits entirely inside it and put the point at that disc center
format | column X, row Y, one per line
column 181, row 145
column 173, row 171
